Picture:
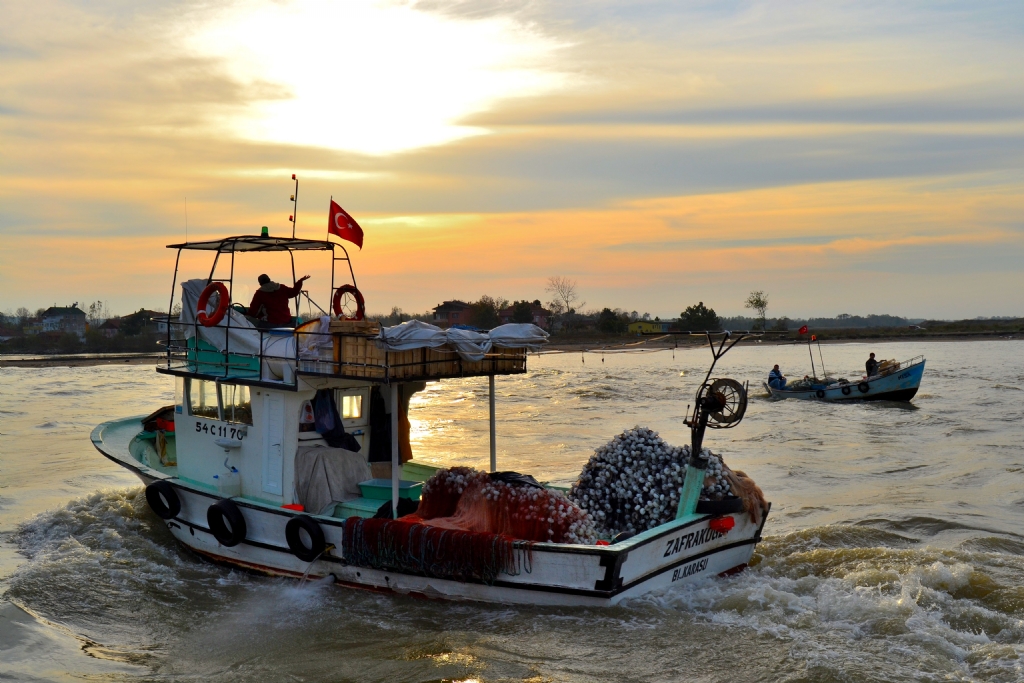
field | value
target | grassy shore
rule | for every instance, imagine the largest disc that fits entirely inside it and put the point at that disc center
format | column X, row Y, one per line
column 952, row 332
column 968, row 330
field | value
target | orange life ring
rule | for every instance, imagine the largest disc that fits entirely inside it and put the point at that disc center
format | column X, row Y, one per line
column 204, row 299
column 360, row 305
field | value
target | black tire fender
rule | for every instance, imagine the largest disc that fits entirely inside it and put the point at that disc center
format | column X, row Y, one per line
column 846, row 390
column 820, row 393
column 307, row 552
column 226, row 522
column 863, row 387
column 163, row 499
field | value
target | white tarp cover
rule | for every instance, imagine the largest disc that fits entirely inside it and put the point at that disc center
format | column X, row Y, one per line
column 472, row 346
column 315, row 337
column 414, row 334
column 278, row 349
column 518, row 336
column 327, row 476
column 244, row 338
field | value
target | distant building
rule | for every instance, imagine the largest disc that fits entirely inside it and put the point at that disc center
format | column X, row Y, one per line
column 541, row 315
column 451, row 313
column 110, row 327
column 64, row 320
column 648, row 326
column 156, row 321
column 142, row 321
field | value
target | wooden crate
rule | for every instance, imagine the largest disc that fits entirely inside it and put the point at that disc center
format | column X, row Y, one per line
column 355, row 326
column 357, row 355
column 443, row 362
column 499, row 360
column 405, row 364
column 354, row 350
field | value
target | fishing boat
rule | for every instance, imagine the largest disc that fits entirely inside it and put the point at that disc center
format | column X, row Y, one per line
column 894, row 381
column 243, row 472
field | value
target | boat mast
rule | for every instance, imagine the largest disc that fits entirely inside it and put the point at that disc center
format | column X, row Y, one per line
column 823, row 372
column 294, row 218
column 811, row 354
column 710, row 403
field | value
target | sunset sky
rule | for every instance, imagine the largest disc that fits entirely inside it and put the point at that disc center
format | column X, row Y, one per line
column 861, row 157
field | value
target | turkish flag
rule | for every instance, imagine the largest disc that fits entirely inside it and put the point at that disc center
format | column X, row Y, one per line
column 803, row 330
column 344, row 226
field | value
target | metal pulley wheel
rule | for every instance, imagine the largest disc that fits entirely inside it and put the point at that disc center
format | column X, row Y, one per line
column 732, row 397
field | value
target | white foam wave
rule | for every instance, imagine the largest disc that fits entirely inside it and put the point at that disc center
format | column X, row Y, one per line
column 908, row 613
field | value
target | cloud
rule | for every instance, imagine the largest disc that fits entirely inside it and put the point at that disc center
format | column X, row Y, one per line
column 369, row 77
column 645, row 148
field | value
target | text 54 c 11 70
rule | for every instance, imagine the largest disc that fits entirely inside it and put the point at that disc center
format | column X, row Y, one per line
column 220, row 430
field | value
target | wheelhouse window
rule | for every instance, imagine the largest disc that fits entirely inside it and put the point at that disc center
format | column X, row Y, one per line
column 237, row 403
column 234, row 401
column 202, row 398
column 350, row 405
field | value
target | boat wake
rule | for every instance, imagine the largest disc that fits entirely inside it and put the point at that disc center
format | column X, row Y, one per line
column 836, row 602
column 873, row 612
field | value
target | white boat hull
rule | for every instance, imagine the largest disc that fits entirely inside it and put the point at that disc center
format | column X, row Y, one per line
column 553, row 574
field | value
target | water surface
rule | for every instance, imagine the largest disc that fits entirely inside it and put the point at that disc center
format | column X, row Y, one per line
column 894, row 549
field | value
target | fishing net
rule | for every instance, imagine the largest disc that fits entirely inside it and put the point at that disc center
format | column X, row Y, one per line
column 503, row 503
column 633, row 483
column 407, row 546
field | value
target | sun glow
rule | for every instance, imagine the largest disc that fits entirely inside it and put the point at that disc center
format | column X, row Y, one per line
column 367, row 77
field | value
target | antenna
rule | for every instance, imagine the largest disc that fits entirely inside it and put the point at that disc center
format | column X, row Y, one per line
column 186, row 219
column 295, row 205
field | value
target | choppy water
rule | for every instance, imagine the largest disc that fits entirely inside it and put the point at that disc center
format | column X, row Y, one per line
column 895, row 548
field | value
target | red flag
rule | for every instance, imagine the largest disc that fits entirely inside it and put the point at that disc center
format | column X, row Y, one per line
column 814, row 337
column 344, row 226
column 803, row 330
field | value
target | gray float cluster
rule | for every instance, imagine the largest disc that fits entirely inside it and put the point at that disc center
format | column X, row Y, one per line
column 633, row 482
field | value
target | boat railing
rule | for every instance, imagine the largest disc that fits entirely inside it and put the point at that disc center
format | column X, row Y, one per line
column 348, row 351
column 886, row 370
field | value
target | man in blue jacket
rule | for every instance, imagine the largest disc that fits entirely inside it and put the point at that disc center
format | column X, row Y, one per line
column 776, row 380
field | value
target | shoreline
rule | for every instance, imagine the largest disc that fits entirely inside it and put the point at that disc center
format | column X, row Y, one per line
column 78, row 361
column 695, row 342
column 596, row 346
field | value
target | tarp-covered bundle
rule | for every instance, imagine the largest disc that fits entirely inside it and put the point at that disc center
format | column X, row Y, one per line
column 325, row 477
column 469, row 344
column 633, row 483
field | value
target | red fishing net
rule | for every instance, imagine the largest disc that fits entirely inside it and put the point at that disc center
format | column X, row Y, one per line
column 413, row 548
column 468, row 526
column 464, row 498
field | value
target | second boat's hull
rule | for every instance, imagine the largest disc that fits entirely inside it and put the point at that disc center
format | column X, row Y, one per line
column 898, row 386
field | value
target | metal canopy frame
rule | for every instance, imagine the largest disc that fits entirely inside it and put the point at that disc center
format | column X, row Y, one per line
column 254, row 243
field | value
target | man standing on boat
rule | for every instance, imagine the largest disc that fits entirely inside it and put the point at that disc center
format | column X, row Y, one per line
column 776, row 380
column 871, row 366
column 270, row 302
